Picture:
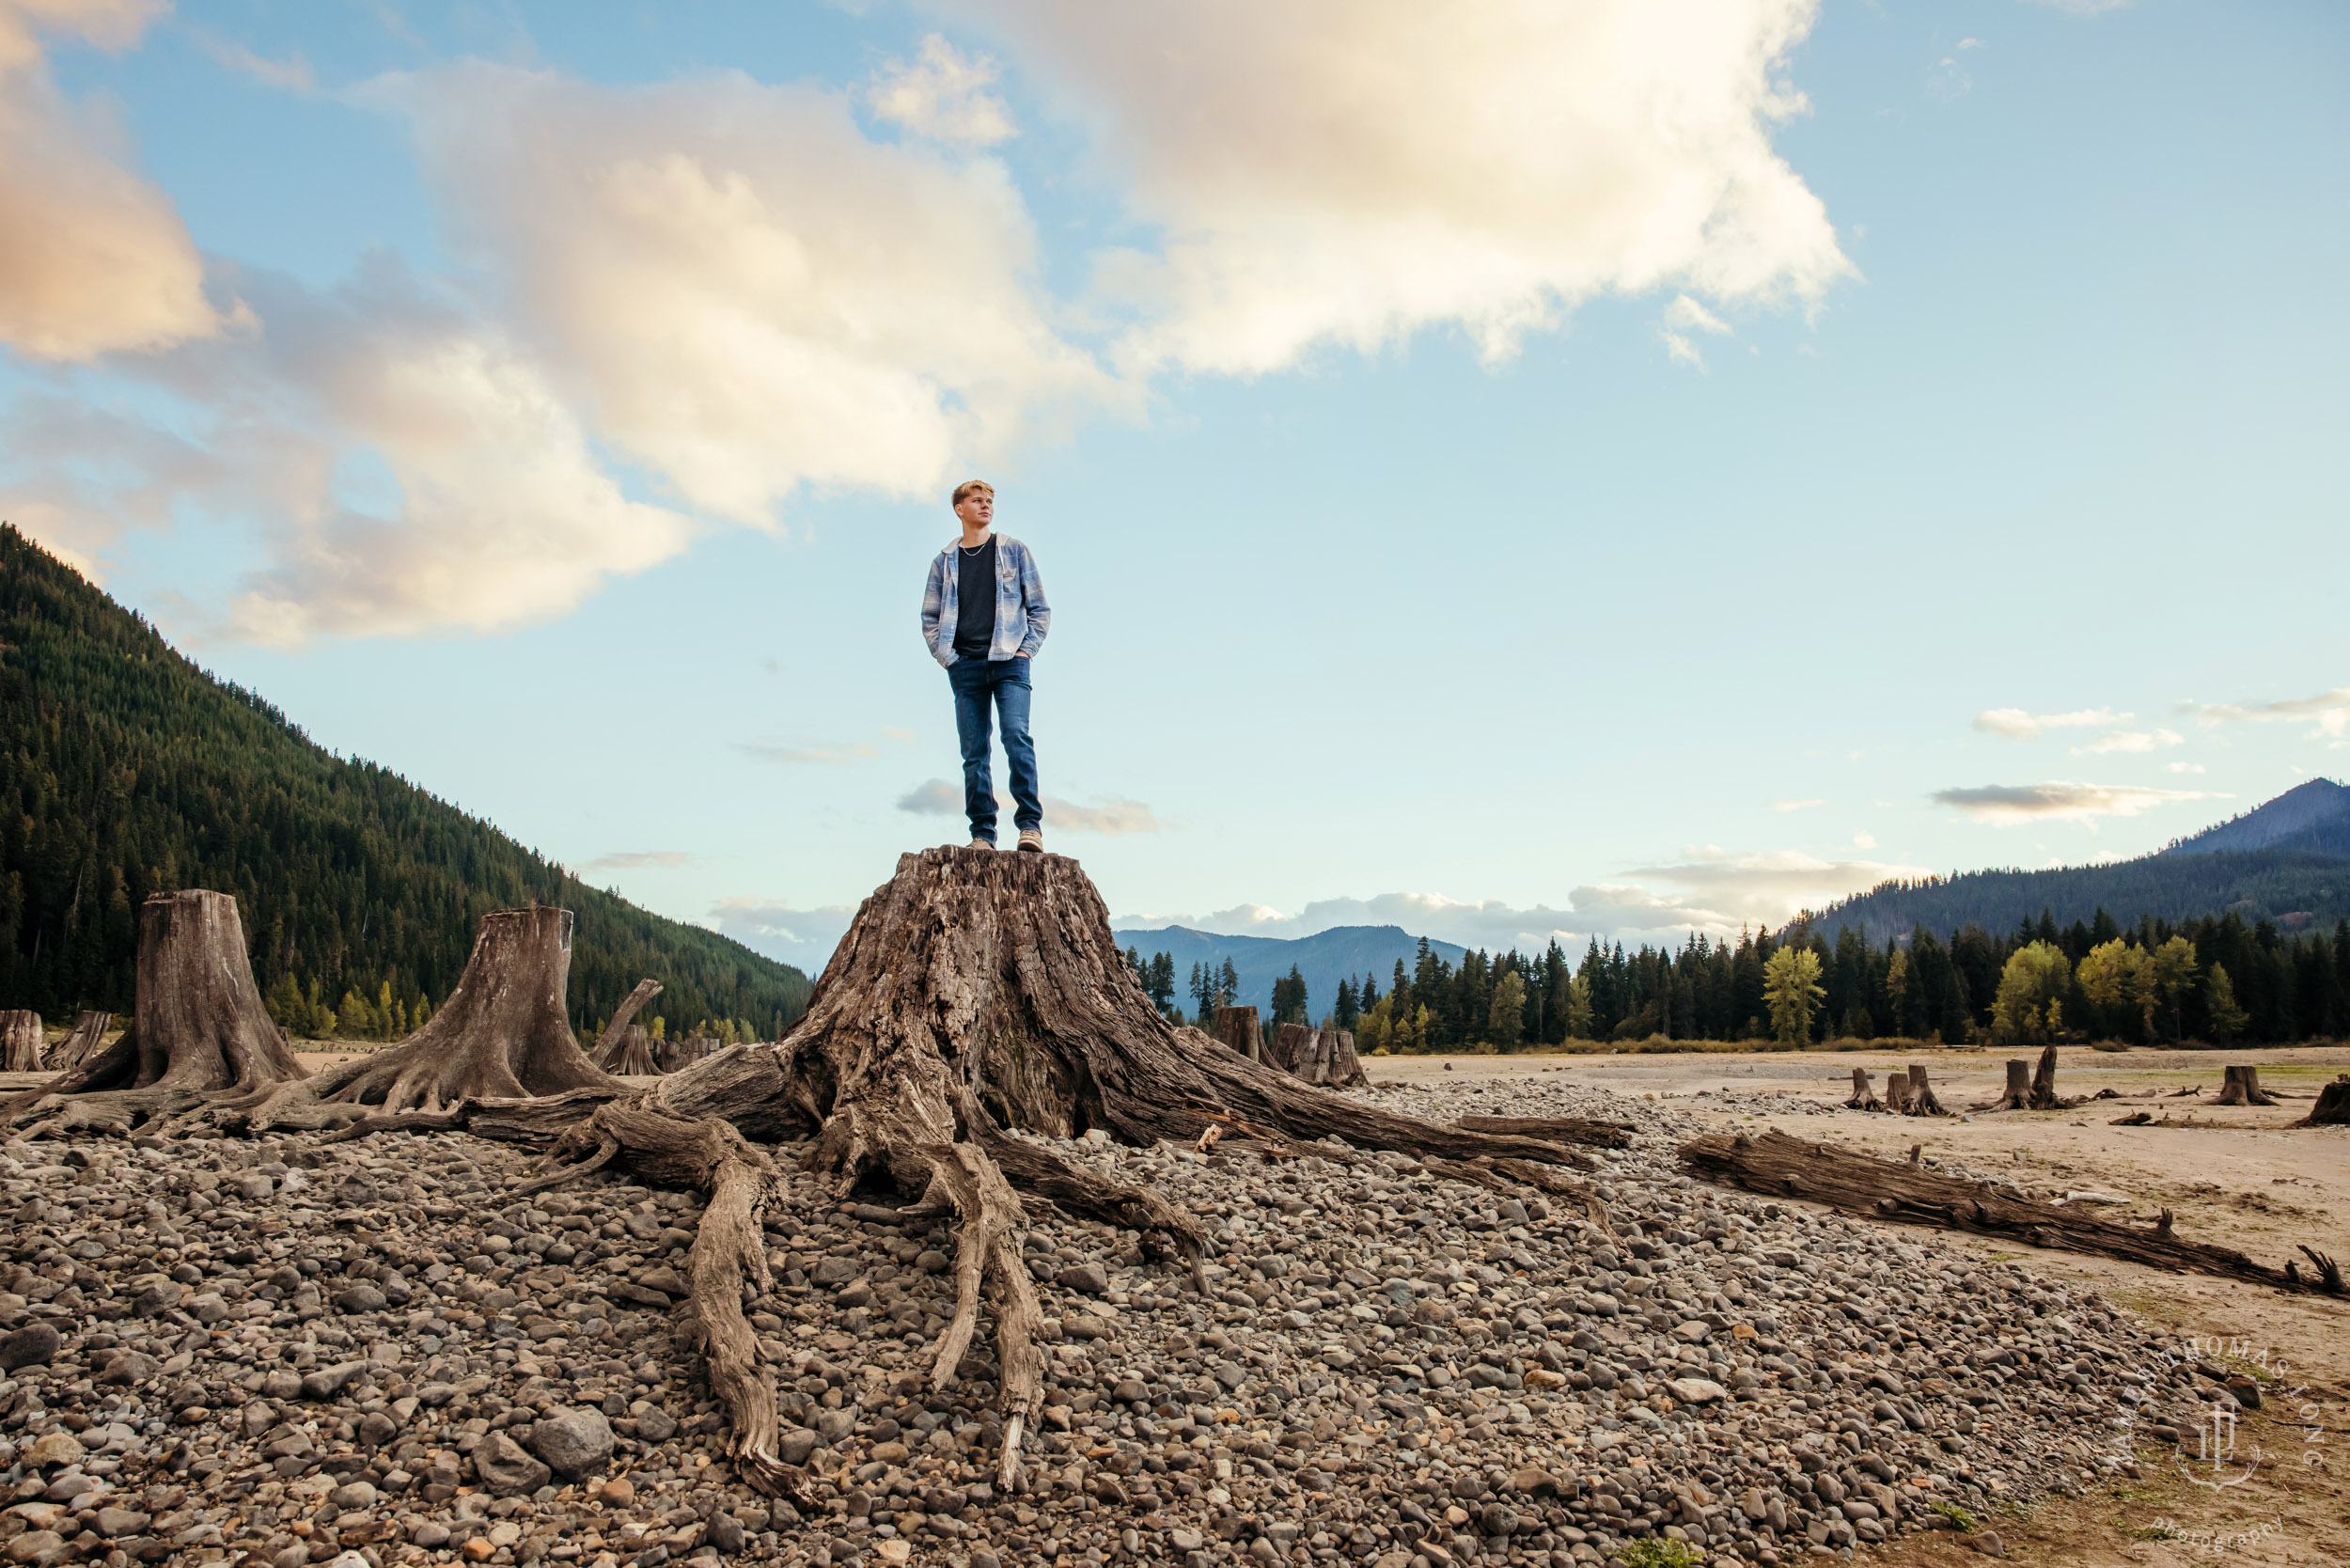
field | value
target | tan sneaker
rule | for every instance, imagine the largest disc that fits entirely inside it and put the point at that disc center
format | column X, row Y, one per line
column 1032, row 841
column 980, row 843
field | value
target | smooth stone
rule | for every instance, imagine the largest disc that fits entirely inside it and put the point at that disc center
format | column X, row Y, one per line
column 574, row 1440
column 29, row 1346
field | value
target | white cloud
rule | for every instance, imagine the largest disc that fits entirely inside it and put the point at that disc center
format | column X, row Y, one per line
column 1347, row 172
column 632, row 861
column 2328, row 712
column 844, row 755
column 95, row 259
column 1683, row 316
column 805, row 937
column 290, row 75
column 943, row 95
column 2005, row 805
column 2015, row 724
column 1488, row 923
column 2182, row 767
column 2129, row 740
column 1864, row 840
column 1109, row 814
column 1803, row 804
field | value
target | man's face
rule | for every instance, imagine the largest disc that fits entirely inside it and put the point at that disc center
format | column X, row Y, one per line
column 977, row 509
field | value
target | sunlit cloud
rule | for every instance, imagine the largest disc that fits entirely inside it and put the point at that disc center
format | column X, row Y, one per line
column 2005, row 805
column 2015, row 724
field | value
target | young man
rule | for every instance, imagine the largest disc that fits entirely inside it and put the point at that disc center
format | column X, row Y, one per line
column 984, row 616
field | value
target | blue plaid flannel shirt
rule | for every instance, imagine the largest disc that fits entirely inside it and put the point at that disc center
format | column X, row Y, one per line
column 1022, row 617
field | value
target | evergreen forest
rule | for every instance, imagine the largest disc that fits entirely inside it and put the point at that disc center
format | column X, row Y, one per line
column 127, row 770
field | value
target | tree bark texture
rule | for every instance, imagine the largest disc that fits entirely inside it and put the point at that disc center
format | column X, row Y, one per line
column 2044, row 1094
column 1921, row 1100
column 2240, row 1086
column 613, row 1042
column 1345, row 1070
column 1897, row 1094
column 2017, row 1095
column 1560, row 1129
column 1780, row 1166
column 634, row 1058
column 20, row 1041
column 1864, row 1097
column 87, row 1038
column 1237, row 1027
column 2333, row 1106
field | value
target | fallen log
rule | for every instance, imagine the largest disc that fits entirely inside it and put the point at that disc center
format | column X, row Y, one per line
column 1553, row 1129
column 20, row 1041
column 1781, row 1166
column 2240, row 1085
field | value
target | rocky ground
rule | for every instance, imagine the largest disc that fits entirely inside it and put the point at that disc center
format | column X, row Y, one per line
column 292, row 1352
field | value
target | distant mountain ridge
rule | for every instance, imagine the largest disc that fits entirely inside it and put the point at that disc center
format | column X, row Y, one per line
column 1324, row 959
column 2287, row 861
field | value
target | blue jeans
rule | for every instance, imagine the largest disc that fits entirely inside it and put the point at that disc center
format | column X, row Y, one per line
column 976, row 682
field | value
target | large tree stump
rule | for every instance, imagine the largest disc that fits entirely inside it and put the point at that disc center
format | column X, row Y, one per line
column 20, row 1041
column 2333, row 1106
column 88, row 1038
column 199, row 1035
column 614, row 1043
column 504, row 1033
column 634, row 1056
column 1293, row 1049
column 2240, row 1085
column 2017, row 1095
column 1864, row 1097
column 1237, row 1027
column 1346, row 1068
column 1897, row 1094
column 2044, row 1094
column 1921, row 1100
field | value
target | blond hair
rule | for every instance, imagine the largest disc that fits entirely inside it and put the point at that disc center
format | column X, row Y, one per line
column 962, row 490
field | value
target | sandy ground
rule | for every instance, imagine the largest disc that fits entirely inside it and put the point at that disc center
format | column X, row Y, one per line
column 2237, row 1176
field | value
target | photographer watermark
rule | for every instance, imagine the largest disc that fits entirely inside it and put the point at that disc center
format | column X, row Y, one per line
column 2226, row 1377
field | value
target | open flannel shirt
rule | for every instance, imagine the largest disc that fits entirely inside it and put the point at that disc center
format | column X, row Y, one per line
column 1022, row 616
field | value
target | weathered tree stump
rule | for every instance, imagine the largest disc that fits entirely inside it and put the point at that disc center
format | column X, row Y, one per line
column 89, row 1037
column 1897, row 1094
column 634, row 1058
column 1237, row 1027
column 2333, row 1106
column 2017, row 1096
column 1864, row 1097
column 2044, row 1094
column 2240, row 1085
column 613, row 1046
column 20, row 1041
column 1922, row 1099
column 1346, row 1068
column 199, row 1035
column 975, row 998
column 1293, row 1049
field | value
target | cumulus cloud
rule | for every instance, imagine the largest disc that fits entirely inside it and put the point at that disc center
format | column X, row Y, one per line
column 2004, row 804
column 1109, row 814
column 2327, row 713
column 1345, row 172
column 629, row 860
column 1681, row 318
column 95, row 259
column 944, row 95
column 840, row 756
column 2129, row 740
column 747, row 293
column 2015, row 724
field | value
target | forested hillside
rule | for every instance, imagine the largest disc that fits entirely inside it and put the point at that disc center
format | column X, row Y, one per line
column 1258, row 962
column 126, row 770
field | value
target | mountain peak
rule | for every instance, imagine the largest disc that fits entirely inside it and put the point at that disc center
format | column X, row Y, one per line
column 2313, row 815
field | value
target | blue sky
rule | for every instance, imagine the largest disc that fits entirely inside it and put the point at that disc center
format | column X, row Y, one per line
column 1509, row 470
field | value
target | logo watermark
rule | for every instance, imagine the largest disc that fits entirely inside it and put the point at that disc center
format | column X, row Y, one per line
column 2211, row 1450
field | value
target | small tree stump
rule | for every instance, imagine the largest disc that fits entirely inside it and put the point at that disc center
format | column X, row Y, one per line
column 88, row 1036
column 1294, row 1050
column 1346, row 1068
column 2044, row 1094
column 20, row 1041
column 634, row 1058
column 1863, row 1096
column 2333, row 1106
column 1921, row 1100
column 1897, row 1094
column 2017, row 1095
column 614, row 1043
column 1237, row 1027
column 2240, row 1085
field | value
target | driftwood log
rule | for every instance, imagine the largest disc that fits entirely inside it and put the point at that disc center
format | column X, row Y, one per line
column 1921, row 1100
column 87, row 1038
column 613, row 1046
column 2240, row 1086
column 1864, row 1096
column 1560, row 1129
column 198, row 1035
column 20, row 1041
column 1236, row 1027
column 977, row 1000
column 2333, row 1106
column 1781, row 1166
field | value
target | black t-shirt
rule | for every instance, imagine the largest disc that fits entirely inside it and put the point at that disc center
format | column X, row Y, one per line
column 974, row 600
